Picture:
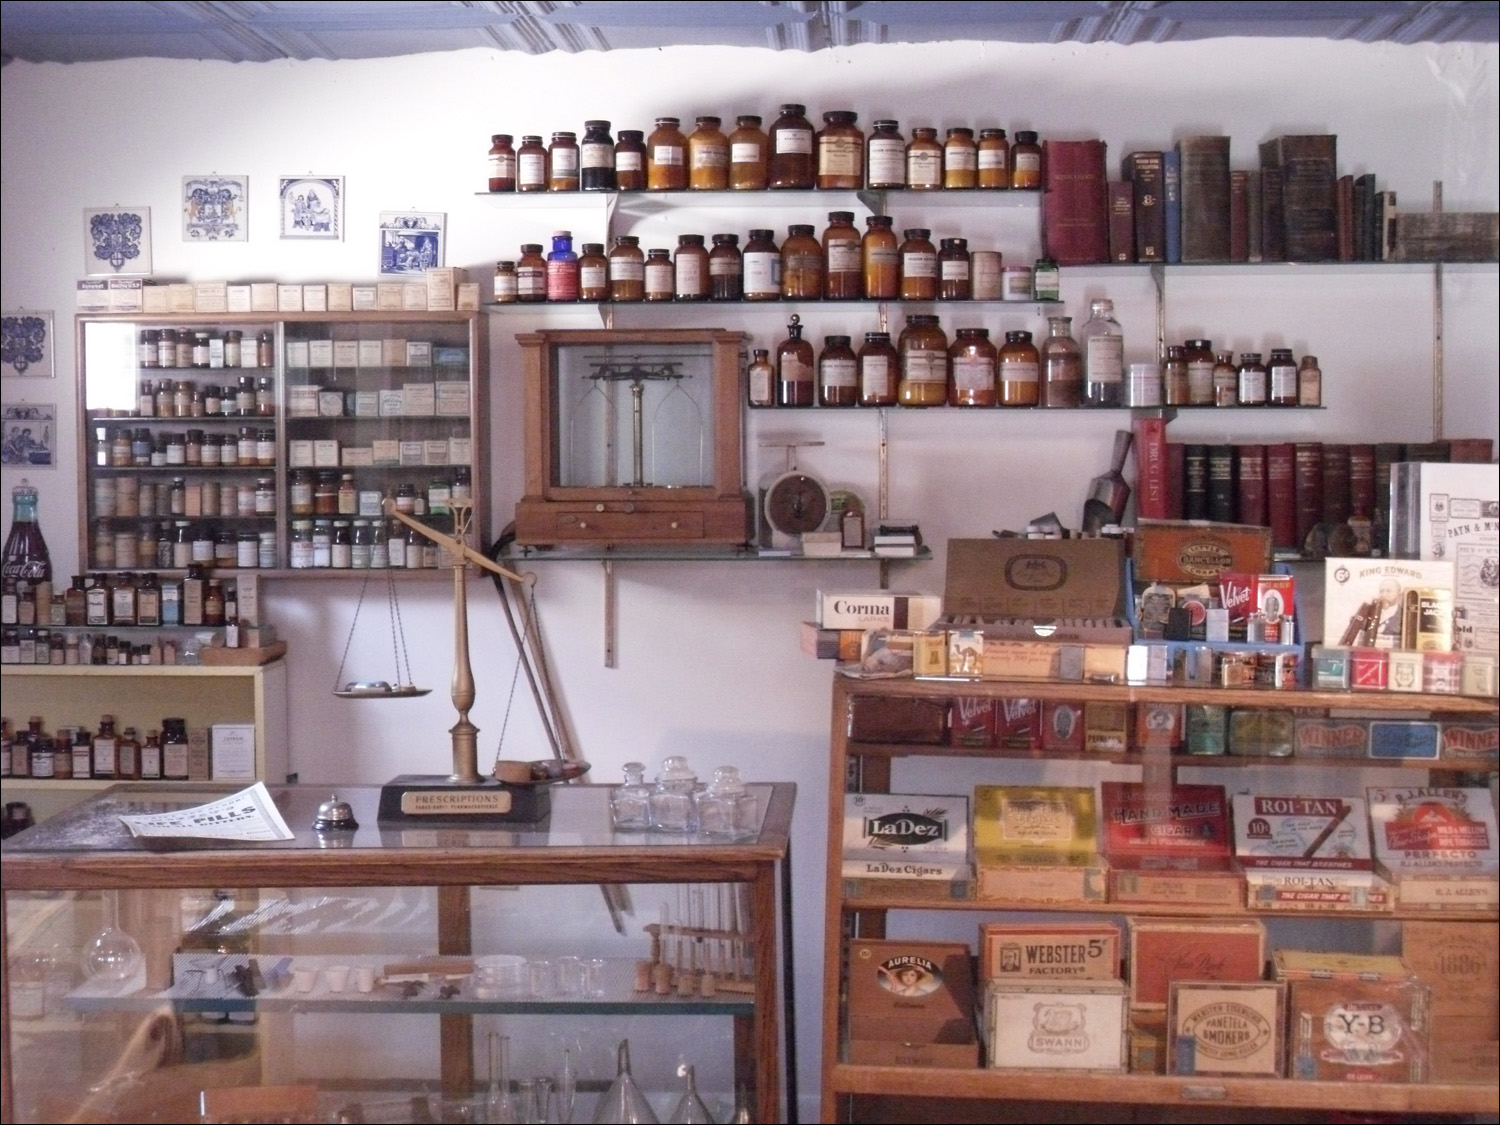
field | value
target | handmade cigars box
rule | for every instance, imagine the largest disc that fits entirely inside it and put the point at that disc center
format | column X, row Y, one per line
column 911, row 1004
column 1162, row 950
column 1078, row 1025
column 1182, row 827
column 1049, row 951
column 1226, row 1028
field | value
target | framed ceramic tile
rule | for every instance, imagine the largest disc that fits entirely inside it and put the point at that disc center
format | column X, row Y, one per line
column 216, row 208
column 411, row 242
column 27, row 434
column 26, row 344
column 116, row 240
column 312, row 207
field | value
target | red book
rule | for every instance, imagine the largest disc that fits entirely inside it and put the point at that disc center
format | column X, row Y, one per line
column 1075, row 226
column 1362, row 481
column 1239, row 217
column 1251, row 478
column 1121, row 221
column 1335, row 483
column 1307, row 476
column 1144, row 171
column 1475, row 450
column 1151, row 469
column 1343, row 202
column 1281, row 494
column 1176, row 457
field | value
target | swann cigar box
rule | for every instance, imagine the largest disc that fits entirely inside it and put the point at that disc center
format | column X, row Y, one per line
column 1079, row 1026
column 1162, row 950
column 1358, row 1030
column 1225, row 1028
column 1049, row 951
column 911, row 1004
column 919, row 838
column 1289, row 831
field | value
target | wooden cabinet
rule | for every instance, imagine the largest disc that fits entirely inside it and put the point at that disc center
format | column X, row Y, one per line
column 875, row 908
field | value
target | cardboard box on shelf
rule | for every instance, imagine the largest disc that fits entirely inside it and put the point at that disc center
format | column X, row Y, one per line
column 1049, row 950
column 1055, row 1026
column 1226, row 1028
column 1162, row 950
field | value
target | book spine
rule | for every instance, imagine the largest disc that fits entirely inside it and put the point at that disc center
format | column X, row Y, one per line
column 1281, row 494
column 1474, row 451
column 1250, row 466
column 1255, row 202
column 1344, row 217
column 1272, row 219
column 1385, row 225
column 1366, row 219
column 1335, row 483
column 1151, row 468
column 1205, row 198
column 1221, row 492
column 1121, row 221
column 1362, row 481
column 1176, row 467
column 1308, row 480
column 1074, row 202
column 1195, row 482
column 1144, row 171
column 1386, row 454
column 1239, row 217
column 1171, row 180
column 1308, row 194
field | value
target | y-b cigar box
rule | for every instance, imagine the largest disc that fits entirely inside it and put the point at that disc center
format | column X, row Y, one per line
column 1345, row 1030
column 1226, row 1028
column 1049, row 951
column 1056, row 1026
column 911, row 1004
column 1162, row 950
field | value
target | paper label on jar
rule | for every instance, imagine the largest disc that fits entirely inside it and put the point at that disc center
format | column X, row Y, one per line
column 710, row 156
column 666, row 154
column 843, row 256
column 724, row 265
column 918, row 263
column 794, row 140
column 924, row 169
column 795, row 370
column 1028, row 162
column 659, row 278
column 875, row 376
column 1023, row 372
column 531, row 281
column 956, row 270
column 564, row 160
column 839, row 372
column 887, row 161
column 596, row 156
column 629, row 161
column 689, row 280
column 627, row 269
column 745, row 152
column 1104, row 359
column 959, row 158
column 1284, row 382
column 761, row 379
column 973, row 373
column 1200, row 381
column 839, row 156
column 884, row 256
column 531, row 168
column 593, row 276
column 993, row 158
column 762, row 273
column 924, row 367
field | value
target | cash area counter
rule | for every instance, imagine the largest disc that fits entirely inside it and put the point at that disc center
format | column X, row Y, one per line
column 384, row 964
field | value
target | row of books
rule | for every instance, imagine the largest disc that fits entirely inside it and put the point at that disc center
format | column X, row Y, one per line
column 1186, row 204
column 1324, row 497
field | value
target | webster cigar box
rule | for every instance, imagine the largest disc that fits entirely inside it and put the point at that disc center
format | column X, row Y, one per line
column 1355, row 1030
column 1187, row 552
column 919, row 838
column 1162, row 950
column 1049, row 951
column 1226, row 1028
column 1164, row 826
column 1460, row 963
column 1292, row 831
column 1056, row 1026
column 911, row 1001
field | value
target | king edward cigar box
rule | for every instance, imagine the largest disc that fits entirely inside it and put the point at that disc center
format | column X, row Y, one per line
column 1224, row 1028
column 1056, row 1026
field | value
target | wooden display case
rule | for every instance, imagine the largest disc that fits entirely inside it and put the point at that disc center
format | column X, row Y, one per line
column 385, row 899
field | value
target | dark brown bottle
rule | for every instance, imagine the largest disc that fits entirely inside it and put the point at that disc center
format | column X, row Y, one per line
column 531, row 165
column 794, row 368
column 562, row 162
column 953, row 270
column 627, row 269
column 843, row 272
column 726, row 273
column 1026, row 162
column 841, row 152
column 838, row 373
column 690, row 269
column 630, row 161
column 596, row 158
column 502, row 163
column 791, row 163
column 879, row 370
column 762, row 267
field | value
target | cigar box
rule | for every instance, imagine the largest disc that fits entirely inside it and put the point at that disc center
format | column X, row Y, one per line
column 1226, row 1028
column 913, row 1001
column 1043, row 579
column 1473, row 744
column 1460, row 963
column 1439, row 891
column 1047, row 824
column 1062, row 726
column 919, row 838
column 1047, row 884
column 1020, row 660
column 1290, row 831
column 1162, row 950
column 878, row 718
column 1352, row 1030
column 1403, row 738
column 1056, row 1026
column 1433, row 830
column 1049, row 951
column 1177, row 888
column 1147, row 1036
column 1191, row 551
column 1168, row 826
column 1466, row 1059
column 1319, row 890
column 1316, row 964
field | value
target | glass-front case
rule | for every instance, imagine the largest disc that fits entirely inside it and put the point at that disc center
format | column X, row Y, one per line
column 408, row 973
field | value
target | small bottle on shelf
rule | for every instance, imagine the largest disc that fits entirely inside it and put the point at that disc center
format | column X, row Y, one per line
column 791, row 163
column 760, row 379
column 841, row 152
column 885, row 156
column 1103, row 346
column 879, row 370
column 666, row 156
column 838, row 373
column 794, row 368
column 971, row 365
column 596, row 158
column 531, row 165
column 924, row 160
column 748, row 154
column 630, row 161
column 1062, row 365
column 502, row 160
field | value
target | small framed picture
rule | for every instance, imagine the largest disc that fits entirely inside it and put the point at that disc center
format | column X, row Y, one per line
column 411, row 242
column 26, row 344
column 116, row 240
column 312, row 207
column 30, row 429
column 216, row 208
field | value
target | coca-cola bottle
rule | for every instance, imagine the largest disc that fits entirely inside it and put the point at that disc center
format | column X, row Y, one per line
column 26, row 557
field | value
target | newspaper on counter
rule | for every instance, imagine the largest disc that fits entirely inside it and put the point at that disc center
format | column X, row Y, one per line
column 249, row 814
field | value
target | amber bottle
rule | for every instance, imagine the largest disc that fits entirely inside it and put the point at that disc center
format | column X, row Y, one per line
column 918, row 266
column 838, row 373
column 971, row 365
column 760, row 379
column 708, row 156
column 842, row 263
column 960, row 160
column 748, row 154
column 953, row 270
column 880, row 259
column 726, row 273
column 791, row 149
column 841, row 152
column 690, row 269
column 627, row 269
column 994, row 160
column 630, row 161
column 1026, row 162
column 562, row 162
column 1062, row 364
column 924, row 160
column 762, row 267
column 923, row 348
column 879, row 370
column 666, row 157
column 531, row 165
column 794, row 368
column 801, row 264
column 1020, row 370
column 885, row 156
column 502, row 163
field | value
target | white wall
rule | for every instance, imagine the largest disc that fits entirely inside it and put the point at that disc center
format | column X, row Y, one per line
column 708, row 656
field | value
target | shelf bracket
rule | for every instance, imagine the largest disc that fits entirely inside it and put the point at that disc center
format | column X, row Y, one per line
column 610, row 604
column 1437, row 327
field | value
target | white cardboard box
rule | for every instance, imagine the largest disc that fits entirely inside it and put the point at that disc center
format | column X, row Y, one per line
column 232, row 750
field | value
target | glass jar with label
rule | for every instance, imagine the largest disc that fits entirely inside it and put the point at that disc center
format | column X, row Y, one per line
column 924, row 160
column 562, row 268
column 265, row 397
column 1226, row 380
column 247, row 549
column 627, row 269
column 690, row 269
column 923, row 350
column 182, row 398
column 885, row 156
column 843, row 267
column 1309, row 382
column 185, row 347
column 505, row 283
column 960, row 160
column 841, row 152
column 395, row 545
column 300, row 494
column 791, row 162
column 265, row 496
column 246, row 448
column 762, row 264
column 502, row 160
column 596, row 158
column 531, row 165
column 994, row 160
column 200, row 348
column 1281, row 378
column 801, row 264
column 630, row 161
column 1174, row 377
column 838, row 373
column 708, row 156
column 760, row 379
column 1020, row 370
column 1062, row 364
column 953, row 269
column 749, row 149
column 265, row 447
column 1103, row 344
column 322, row 544
column 593, row 273
column 726, row 273
column 359, row 545
column 166, row 351
column 1199, row 357
column 1026, row 161
column 326, row 494
column 879, row 370
column 341, row 546
column 1251, row 380
column 880, row 259
column 531, row 274
column 347, row 500
column 918, row 266
column 666, row 156
column 794, row 368
column 562, row 162
column 971, row 366
column 233, row 352
column 660, row 276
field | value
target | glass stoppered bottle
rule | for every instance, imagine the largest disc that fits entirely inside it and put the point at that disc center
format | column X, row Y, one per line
column 630, row 803
column 794, row 367
column 1062, row 364
column 1103, row 345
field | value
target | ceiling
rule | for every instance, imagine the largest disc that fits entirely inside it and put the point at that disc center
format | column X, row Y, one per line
column 263, row 30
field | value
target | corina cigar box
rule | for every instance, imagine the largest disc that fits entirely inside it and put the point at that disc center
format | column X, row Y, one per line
column 1162, row 950
column 1049, row 951
column 1056, row 1026
column 1226, row 1028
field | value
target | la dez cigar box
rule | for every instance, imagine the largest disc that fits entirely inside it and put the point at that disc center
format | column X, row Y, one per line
column 1074, row 1026
column 1049, row 951
column 1224, row 1028
column 922, row 839
column 1162, row 950
column 911, row 1004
